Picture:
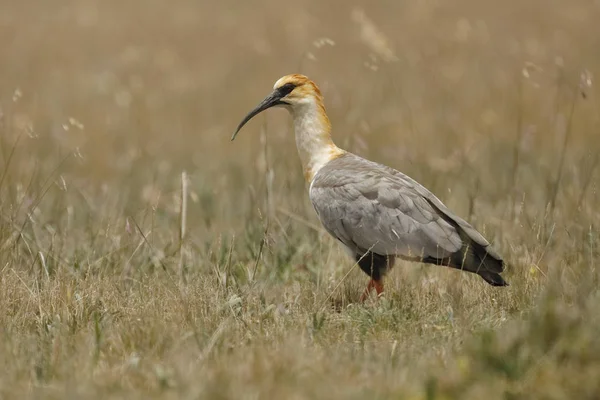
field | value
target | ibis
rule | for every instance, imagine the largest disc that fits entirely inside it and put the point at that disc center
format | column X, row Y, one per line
column 378, row 213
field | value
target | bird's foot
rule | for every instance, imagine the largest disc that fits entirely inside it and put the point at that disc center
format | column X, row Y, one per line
column 373, row 284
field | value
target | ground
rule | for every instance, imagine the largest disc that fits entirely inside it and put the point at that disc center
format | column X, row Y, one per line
column 113, row 112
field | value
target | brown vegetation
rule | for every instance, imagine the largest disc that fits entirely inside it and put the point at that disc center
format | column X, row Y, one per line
column 110, row 288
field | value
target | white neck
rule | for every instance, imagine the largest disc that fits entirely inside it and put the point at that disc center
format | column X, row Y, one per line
column 313, row 140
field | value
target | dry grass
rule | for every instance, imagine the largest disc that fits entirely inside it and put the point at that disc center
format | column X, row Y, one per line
column 104, row 105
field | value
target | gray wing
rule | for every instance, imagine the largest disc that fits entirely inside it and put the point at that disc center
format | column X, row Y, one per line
column 371, row 207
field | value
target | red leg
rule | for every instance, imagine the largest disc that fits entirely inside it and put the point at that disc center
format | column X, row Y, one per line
column 365, row 294
column 373, row 284
column 378, row 286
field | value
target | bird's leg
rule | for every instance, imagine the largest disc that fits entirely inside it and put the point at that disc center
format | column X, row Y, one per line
column 365, row 294
column 373, row 284
column 378, row 285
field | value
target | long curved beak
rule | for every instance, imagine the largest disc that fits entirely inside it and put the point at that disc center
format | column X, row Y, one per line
column 274, row 99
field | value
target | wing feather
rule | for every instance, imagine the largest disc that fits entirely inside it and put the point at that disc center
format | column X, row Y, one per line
column 379, row 211
column 371, row 207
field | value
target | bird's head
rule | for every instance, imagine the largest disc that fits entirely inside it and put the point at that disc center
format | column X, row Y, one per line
column 293, row 92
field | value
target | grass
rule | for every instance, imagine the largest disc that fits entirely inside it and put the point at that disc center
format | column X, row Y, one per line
column 143, row 255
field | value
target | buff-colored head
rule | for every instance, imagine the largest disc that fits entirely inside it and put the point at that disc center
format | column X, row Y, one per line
column 303, row 99
column 293, row 92
column 301, row 90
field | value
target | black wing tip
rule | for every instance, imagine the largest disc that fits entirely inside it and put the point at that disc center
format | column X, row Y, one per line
column 493, row 279
column 499, row 266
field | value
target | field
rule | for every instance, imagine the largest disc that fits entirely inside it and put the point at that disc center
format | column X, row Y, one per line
column 144, row 255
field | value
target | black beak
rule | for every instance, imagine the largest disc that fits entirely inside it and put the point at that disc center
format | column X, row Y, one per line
column 274, row 99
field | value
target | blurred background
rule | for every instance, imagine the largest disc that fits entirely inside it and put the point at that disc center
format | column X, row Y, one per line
column 476, row 99
column 493, row 105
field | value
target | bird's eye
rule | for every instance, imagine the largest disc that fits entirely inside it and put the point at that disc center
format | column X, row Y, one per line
column 286, row 89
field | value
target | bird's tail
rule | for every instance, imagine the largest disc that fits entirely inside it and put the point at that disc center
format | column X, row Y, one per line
column 474, row 258
column 476, row 254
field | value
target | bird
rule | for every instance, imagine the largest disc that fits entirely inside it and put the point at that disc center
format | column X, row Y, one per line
column 378, row 213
